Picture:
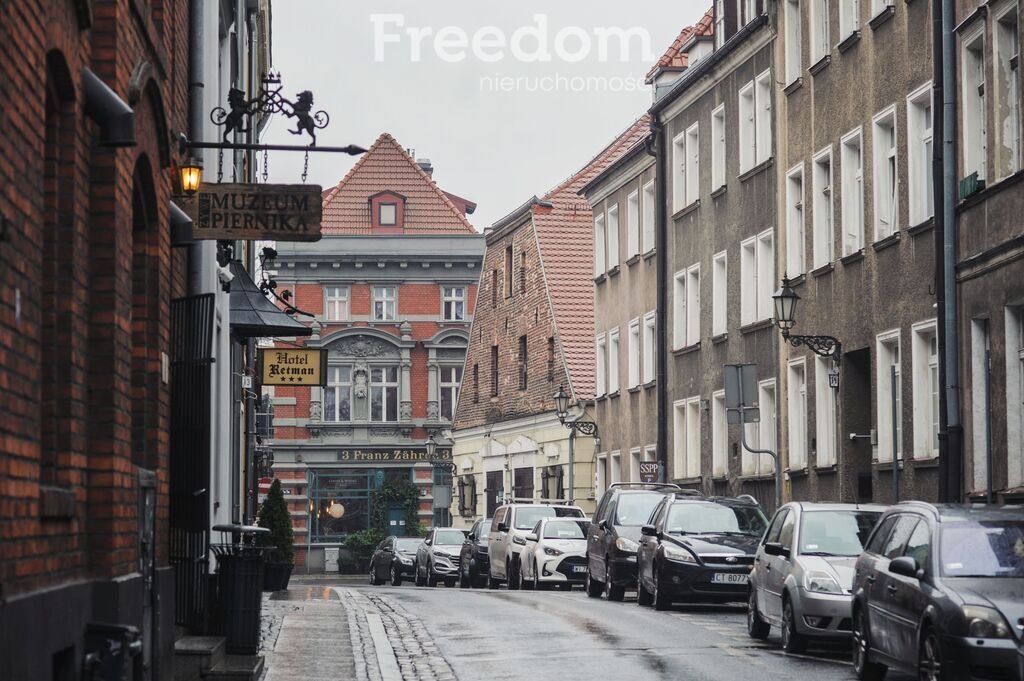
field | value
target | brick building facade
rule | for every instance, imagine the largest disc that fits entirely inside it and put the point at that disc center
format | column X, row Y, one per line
column 87, row 274
column 392, row 287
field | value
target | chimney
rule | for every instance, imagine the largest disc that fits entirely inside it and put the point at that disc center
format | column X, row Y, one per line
column 424, row 163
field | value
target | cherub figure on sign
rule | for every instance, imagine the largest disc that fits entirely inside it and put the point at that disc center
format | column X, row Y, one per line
column 235, row 119
column 307, row 122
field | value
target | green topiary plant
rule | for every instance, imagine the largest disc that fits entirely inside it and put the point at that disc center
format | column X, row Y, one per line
column 275, row 517
column 406, row 494
column 362, row 544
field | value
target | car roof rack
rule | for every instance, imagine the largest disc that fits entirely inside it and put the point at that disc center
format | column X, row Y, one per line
column 536, row 502
column 742, row 498
column 671, row 486
column 695, row 493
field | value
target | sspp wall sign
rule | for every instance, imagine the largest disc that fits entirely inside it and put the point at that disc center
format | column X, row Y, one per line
column 293, row 367
column 264, row 212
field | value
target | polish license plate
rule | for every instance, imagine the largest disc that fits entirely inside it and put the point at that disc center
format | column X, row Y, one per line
column 728, row 578
column 579, row 569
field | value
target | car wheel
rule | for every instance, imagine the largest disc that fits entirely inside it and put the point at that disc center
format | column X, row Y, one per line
column 537, row 584
column 865, row 669
column 661, row 599
column 431, row 578
column 492, row 581
column 594, row 587
column 465, row 580
column 420, row 580
column 373, row 575
column 396, row 576
column 792, row 640
column 643, row 596
column 929, row 659
column 615, row 592
column 523, row 584
column 756, row 627
column 512, row 575
column 450, row 582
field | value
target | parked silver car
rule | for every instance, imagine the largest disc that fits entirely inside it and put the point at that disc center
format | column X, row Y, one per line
column 803, row 571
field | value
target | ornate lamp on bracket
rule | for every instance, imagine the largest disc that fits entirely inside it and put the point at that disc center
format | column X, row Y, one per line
column 190, row 176
column 786, row 300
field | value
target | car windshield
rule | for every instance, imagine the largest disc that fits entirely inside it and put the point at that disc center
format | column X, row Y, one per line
column 484, row 530
column 407, row 543
column 711, row 518
column 526, row 518
column 565, row 529
column 836, row 533
column 449, row 537
column 986, row 548
column 634, row 510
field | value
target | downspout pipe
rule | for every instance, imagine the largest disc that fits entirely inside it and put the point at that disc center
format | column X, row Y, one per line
column 197, row 58
column 657, row 149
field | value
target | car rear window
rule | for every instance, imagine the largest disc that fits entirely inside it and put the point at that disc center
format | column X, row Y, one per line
column 634, row 509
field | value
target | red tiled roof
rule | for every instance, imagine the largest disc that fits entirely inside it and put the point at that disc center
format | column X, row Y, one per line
column 565, row 236
column 387, row 167
column 676, row 60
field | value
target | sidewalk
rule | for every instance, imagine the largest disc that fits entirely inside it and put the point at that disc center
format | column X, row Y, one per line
column 316, row 632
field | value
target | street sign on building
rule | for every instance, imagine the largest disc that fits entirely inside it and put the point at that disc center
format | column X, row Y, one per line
column 741, row 393
column 292, row 366
column 648, row 471
column 264, row 212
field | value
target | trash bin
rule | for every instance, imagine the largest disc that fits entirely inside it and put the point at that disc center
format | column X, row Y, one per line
column 111, row 651
column 240, row 587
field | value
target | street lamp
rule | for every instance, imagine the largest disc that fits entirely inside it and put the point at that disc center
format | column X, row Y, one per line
column 431, row 446
column 785, row 318
column 190, row 175
column 577, row 425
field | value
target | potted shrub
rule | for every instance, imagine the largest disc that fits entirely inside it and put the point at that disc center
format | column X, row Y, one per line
column 280, row 558
column 360, row 547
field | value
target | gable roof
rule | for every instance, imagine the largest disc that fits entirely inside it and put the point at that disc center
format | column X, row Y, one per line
column 388, row 167
column 675, row 59
column 564, row 226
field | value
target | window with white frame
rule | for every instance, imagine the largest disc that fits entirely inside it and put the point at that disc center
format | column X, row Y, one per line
column 849, row 17
column 679, row 172
column 1015, row 395
column 797, row 404
column 795, row 241
column 453, row 300
column 794, row 41
column 719, row 436
column 686, row 429
column 384, row 303
column 602, row 473
column 852, row 170
column 686, row 315
column 1007, row 102
column 599, row 245
column 451, row 379
column 746, row 11
column 613, row 361
column 602, row 362
column 973, row 127
column 925, row 358
column 719, row 294
column 747, row 128
column 384, row 393
column 763, row 116
column 388, row 214
column 633, row 224
column 920, row 186
column 336, row 304
column 649, row 213
column 692, row 164
column 819, row 30
column 719, row 23
column 633, row 343
column 338, row 394
column 885, row 174
column 762, row 435
column 824, row 413
column 635, row 456
column 613, row 236
column 650, row 347
column 821, row 209
column 889, row 391
column 615, row 469
column 980, row 377
column 718, row 148
column 757, row 274
column 650, row 453
column 879, row 6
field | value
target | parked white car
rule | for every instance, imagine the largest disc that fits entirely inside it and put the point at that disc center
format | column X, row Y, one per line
column 555, row 553
column 511, row 524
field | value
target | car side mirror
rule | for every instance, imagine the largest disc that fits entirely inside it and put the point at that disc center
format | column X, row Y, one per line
column 906, row 566
column 471, row 537
column 427, row 542
column 774, row 548
column 649, row 531
column 531, row 537
column 603, row 525
column 502, row 527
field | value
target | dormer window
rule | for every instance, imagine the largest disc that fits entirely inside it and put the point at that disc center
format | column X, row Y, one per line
column 388, row 214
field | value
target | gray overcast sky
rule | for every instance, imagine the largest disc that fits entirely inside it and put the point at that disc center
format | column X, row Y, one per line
column 506, row 99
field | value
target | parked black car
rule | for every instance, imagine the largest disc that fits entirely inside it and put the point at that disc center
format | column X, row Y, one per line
column 473, row 563
column 614, row 536
column 437, row 558
column 393, row 559
column 939, row 591
column 697, row 549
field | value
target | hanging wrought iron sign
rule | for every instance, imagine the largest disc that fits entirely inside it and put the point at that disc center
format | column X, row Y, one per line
column 265, row 212
column 238, row 116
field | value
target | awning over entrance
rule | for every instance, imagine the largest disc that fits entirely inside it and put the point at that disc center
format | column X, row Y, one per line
column 253, row 316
